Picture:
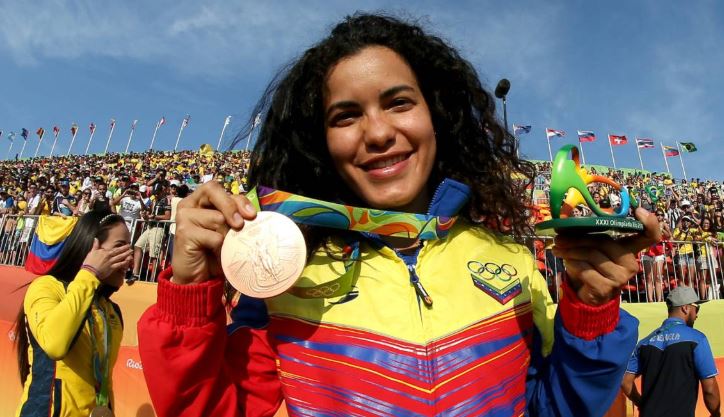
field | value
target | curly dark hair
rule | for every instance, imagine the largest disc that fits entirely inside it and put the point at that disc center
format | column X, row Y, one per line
column 472, row 146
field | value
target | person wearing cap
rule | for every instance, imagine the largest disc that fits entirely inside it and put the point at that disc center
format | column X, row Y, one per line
column 131, row 205
column 685, row 233
column 63, row 203
column 672, row 361
column 121, row 186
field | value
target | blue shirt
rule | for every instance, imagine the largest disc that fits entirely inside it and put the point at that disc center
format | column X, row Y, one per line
column 671, row 360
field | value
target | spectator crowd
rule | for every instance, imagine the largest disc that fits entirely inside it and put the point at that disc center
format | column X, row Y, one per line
column 144, row 189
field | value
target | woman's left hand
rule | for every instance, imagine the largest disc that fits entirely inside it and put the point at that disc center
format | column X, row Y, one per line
column 598, row 266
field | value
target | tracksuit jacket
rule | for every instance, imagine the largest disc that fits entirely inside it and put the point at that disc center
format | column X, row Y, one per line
column 491, row 344
column 62, row 380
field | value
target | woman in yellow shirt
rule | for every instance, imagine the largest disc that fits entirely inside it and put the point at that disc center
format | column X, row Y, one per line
column 69, row 331
column 707, row 256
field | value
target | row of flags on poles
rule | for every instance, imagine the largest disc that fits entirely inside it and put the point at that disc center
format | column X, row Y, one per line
column 585, row 136
column 25, row 134
column 614, row 140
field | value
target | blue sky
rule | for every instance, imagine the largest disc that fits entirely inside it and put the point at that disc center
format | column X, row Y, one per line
column 639, row 68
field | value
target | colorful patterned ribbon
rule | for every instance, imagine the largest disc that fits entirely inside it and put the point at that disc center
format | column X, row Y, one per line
column 305, row 210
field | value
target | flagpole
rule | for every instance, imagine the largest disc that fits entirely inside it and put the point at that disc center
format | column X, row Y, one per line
column 10, row 149
column 666, row 161
column 638, row 150
column 108, row 142
column 223, row 129
column 681, row 159
column 25, row 142
column 89, row 141
column 613, row 158
column 580, row 148
column 130, row 135
column 550, row 152
column 71, row 142
column 35, row 155
column 248, row 139
column 180, row 131
column 54, row 142
column 153, row 139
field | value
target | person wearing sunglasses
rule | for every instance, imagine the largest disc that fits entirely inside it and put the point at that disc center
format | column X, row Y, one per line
column 84, row 204
column 653, row 260
column 672, row 361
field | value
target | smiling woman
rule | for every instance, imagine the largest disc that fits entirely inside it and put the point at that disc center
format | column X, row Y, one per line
column 379, row 131
column 454, row 320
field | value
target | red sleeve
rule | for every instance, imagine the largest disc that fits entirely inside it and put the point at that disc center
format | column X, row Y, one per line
column 191, row 366
column 586, row 321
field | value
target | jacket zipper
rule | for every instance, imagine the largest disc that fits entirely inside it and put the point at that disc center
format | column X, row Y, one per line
column 419, row 289
column 435, row 196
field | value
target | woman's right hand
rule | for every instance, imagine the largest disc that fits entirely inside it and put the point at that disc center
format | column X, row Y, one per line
column 108, row 261
column 202, row 221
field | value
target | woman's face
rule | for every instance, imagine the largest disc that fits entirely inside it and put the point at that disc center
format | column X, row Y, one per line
column 705, row 224
column 379, row 130
column 118, row 236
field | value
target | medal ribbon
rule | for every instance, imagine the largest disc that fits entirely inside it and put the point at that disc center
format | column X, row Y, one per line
column 313, row 212
column 100, row 365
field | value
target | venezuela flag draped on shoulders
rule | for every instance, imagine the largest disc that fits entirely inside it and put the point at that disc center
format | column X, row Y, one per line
column 49, row 239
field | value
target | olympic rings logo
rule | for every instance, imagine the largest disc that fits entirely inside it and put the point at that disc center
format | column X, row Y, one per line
column 490, row 270
column 323, row 291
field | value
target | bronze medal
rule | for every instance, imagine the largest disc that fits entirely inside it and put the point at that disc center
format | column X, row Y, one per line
column 265, row 257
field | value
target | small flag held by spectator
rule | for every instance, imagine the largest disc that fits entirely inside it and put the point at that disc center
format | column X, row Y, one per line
column 227, row 121
column 56, row 131
column 617, row 140
column 11, row 136
column 113, row 123
column 186, row 120
column 92, row 127
column 670, row 151
column 133, row 125
column 40, row 132
column 162, row 121
column 24, row 134
column 645, row 143
column 553, row 133
column 586, row 136
column 688, row 146
column 73, row 129
column 521, row 129
column 257, row 121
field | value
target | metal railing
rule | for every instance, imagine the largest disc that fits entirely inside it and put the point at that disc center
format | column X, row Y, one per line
column 661, row 268
column 151, row 240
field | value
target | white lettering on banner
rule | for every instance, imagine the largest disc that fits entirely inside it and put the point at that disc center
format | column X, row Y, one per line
column 617, row 223
column 130, row 363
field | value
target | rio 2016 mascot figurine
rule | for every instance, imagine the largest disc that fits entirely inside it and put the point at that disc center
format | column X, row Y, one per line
column 569, row 188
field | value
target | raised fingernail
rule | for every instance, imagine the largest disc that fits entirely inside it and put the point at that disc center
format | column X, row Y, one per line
column 237, row 218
